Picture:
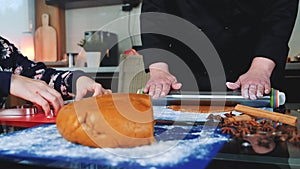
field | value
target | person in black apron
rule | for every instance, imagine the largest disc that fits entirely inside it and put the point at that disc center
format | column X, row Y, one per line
column 250, row 38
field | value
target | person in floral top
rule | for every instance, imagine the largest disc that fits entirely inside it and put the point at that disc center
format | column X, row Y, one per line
column 38, row 84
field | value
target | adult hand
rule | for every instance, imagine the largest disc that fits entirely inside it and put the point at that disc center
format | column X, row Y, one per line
column 256, row 81
column 85, row 85
column 36, row 91
column 161, row 81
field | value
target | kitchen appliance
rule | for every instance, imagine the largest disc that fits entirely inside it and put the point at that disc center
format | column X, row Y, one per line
column 104, row 42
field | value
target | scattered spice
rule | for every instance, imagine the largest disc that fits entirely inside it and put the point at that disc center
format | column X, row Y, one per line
column 272, row 129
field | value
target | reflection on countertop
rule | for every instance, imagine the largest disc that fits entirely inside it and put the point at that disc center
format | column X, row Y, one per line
column 289, row 66
column 292, row 66
column 108, row 69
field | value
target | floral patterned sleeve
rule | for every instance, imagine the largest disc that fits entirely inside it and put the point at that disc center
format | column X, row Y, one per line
column 11, row 60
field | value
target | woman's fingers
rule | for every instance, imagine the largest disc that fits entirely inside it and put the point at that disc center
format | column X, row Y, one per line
column 245, row 91
column 260, row 91
column 86, row 85
column 160, row 83
column 233, row 86
column 49, row 99
column 157, row 90
column 55, row 100
column 42, row 102
column 252, row 92
column 37, row 92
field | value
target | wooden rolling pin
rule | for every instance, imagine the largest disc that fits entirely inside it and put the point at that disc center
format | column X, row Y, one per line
column 278, row 117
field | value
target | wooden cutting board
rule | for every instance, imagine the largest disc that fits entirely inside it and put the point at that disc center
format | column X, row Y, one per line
column 45, row 42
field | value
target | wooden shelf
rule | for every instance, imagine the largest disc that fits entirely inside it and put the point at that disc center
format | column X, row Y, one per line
column 72, row 4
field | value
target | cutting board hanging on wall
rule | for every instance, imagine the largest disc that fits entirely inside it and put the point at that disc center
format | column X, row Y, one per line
column 45, row 42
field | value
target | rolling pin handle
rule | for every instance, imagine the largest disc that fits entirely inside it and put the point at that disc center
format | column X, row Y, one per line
column 141, row 91
column 282, row 98
column 277, row 98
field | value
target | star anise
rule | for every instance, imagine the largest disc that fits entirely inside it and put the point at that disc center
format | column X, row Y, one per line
column 229, row 114
column 228, row 130
column 244, row 131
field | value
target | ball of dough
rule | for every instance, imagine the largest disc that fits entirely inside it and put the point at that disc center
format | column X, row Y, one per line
column 113, row 120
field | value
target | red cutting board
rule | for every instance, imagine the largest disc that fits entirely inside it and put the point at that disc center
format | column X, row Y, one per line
column 27, row 121
column 45, row 42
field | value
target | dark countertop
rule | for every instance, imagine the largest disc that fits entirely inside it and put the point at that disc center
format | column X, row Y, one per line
column 285, row 155
column 232, row 155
